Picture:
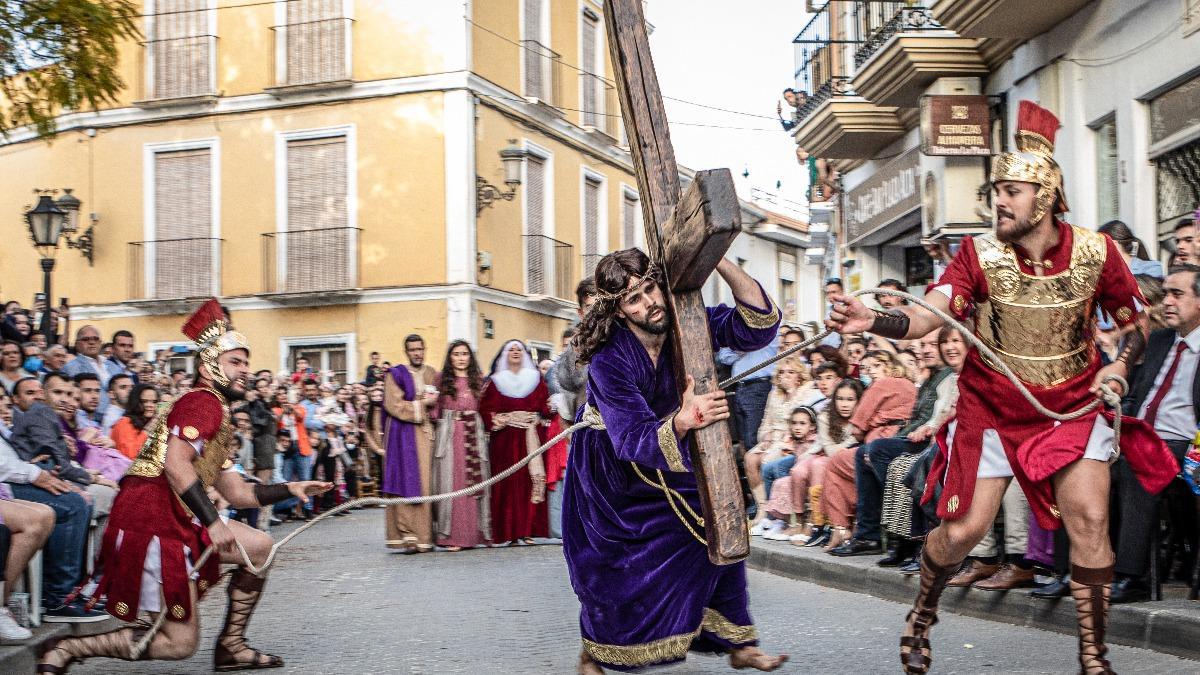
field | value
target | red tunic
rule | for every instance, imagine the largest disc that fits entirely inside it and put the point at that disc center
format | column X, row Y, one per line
column 514, row 515
column 1035, row 447
column 147, row 507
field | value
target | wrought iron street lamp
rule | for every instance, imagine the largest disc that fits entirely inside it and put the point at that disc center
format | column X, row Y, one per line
column 486, row 194
column 45, row 222
column 83, row 242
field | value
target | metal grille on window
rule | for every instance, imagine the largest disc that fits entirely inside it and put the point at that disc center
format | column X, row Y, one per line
column 1108, row 177
column 589, row 79
column 316, row 41
column 1178, row 174
column 629, row 217
column 591, row 226
column 536, row 242
column 181, row 50
column 183, row 247
column 318, row 240
column 535, row 66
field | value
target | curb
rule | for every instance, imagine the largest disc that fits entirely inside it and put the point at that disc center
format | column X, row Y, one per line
column 1168, row 626
column 22, row 657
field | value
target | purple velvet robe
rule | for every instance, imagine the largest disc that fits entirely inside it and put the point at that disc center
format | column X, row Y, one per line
column 401, row 468
column 641, row 576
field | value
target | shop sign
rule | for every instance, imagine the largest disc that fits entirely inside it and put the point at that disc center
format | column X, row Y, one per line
column 890, row 193
column 955, row 125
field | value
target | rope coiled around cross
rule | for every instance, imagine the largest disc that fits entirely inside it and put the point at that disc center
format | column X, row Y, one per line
column 1109, row 397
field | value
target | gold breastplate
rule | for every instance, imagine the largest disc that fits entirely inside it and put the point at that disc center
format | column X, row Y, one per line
column 208, row 463
column 1040, row 326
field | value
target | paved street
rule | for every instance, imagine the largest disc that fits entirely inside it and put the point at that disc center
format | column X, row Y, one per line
column 339, row 603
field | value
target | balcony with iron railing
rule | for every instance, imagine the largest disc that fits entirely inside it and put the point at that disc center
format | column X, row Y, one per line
column 599, row 110
column 541, row 74
column 312, row 55
column 905, row 51
column 177, row 71
column 548, row 267
column 835, row 121
column 299, row 263
column 174, row 269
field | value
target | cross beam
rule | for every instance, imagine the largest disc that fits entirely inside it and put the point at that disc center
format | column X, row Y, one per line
column 688, row 236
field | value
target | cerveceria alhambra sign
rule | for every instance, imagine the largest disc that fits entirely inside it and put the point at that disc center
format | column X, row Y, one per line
column 888, row 194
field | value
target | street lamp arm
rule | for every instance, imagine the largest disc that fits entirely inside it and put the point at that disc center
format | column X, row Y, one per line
column 486, row 194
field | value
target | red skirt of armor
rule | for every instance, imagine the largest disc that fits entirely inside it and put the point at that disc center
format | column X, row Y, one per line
column 146, row 508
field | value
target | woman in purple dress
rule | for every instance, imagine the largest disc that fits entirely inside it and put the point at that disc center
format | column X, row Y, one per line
column 460, row 455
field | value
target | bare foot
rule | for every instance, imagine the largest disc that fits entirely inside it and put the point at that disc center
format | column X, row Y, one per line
column 587, row 666
column 753, row 657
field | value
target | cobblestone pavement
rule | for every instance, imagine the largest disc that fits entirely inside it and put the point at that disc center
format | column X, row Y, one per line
column 338, row 602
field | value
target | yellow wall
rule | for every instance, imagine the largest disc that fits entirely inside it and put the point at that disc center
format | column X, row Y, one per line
column 514, row 324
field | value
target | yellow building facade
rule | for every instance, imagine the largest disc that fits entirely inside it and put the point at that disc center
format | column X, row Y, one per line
column 332, row 170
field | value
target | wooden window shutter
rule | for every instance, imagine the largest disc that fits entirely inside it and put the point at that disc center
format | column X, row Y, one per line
column 591, row 226
column 317, row 243
column 316, row 41
column 537, row 245
column 181, row 49
column 535, row 68
column 629, row 217
column 183, row 246
column 589, row 77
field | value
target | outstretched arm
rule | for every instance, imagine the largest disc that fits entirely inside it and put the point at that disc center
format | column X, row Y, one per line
column 849, row 315
column 745, row 289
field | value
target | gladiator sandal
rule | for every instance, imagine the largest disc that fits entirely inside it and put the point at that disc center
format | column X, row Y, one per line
column 916, row 653
column 1090, row 588
column 57, row 654
column 245, row 589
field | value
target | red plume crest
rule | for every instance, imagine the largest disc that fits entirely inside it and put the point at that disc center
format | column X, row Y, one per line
column 208, row 314
column 1034, row 118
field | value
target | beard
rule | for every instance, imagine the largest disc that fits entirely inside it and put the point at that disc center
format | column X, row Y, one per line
column 652, row 327
column 229, row 391
column 1016, row 231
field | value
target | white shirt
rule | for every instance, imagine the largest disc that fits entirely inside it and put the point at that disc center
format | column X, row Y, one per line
column 1176, row 419
column 13, row 469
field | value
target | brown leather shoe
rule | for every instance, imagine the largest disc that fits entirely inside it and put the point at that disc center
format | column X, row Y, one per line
column 976, row 571
column 1007, row 578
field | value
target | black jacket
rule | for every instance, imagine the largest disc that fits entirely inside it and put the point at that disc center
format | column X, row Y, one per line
column 1158, row 349
column 38, row 432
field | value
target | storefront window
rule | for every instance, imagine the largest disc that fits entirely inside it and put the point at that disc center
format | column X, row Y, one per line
column 918, row 269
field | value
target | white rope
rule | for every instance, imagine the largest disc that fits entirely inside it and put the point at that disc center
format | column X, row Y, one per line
column 1110, row 397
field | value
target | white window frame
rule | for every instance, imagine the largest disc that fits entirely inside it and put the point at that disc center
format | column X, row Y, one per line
column 601, row 36
column 349, row 131
column 548, row 225
column 543, row 39
column 586, row 174
column 149, row 224
column 212, row 47
column 281, row 74
column 348, row 340
column 639, row 230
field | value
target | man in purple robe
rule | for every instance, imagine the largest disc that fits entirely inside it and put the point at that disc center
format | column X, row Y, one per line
column 632, row 532
column 408, row 464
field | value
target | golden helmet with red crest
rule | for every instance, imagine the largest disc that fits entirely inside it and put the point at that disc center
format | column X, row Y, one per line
column 1033, row 160
column 209, row 328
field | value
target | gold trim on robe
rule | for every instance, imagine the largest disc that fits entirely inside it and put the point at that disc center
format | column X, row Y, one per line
column 670, row 445
column 757, row 320
column 671, row 648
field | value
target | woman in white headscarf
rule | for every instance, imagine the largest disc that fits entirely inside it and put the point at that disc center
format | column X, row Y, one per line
column 515, row 406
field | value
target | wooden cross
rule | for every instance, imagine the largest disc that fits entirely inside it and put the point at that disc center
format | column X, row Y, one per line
column 688, row 236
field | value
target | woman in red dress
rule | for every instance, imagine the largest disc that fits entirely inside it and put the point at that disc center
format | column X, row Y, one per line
column 515, row 407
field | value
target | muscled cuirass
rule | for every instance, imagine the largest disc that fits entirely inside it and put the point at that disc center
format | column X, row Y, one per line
column 208, row 463
column 1040, row 326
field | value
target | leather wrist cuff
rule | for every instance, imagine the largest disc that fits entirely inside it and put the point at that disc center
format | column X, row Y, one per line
column 270, row 494
column 890, row 325
column 197, row 501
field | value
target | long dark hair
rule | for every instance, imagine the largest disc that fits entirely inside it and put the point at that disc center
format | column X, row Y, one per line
column 837, row 423
column 135, row 411
column 474, row 376
column 1122, row 236
column 612, row 278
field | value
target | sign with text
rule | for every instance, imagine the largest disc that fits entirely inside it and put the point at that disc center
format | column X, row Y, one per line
column 888, row 194
column 955, row 125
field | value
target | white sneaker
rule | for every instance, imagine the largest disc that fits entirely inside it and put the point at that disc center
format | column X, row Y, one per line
column 802, row 538
column 777, row 535
column 10, row 629
column 772, row 527
column 759, row 528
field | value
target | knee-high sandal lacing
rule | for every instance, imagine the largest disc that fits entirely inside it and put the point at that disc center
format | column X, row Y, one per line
column 245, row 589
column 57, row 655
column 1090, row 588
column 916, row 653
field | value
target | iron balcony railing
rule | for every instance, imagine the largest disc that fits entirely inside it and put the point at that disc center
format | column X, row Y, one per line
column 547, row 266
column 307, row 261
column 167, row 269
column 178, row 68
column 879, row 21
column 824, row 52
column 600, row 110
column 312, row 52
column 542, row 73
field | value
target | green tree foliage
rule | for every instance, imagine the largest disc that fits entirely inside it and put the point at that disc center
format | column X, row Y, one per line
column 59, row 55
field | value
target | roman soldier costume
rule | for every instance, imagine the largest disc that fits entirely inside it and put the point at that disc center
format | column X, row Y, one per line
column 156, row 535
column 1037, row 316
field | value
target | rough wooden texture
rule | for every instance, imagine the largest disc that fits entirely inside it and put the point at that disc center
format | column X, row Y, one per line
column 695, row 239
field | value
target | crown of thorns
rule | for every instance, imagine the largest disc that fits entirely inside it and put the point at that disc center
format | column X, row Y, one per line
column 651, row 274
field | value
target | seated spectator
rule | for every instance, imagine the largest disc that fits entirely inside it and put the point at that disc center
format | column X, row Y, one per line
column 91, row 449
column 824, row 354
column 884, row 409
column 24, row 528
column 773, row 439
column 835, row 435
column 62, row 567
column 11, row 359
column 119, row 387
column 129, row 433
column 787, row 498
column 938, row 392
column 817, row 393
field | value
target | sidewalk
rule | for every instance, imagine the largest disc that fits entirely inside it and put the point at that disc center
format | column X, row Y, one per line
column 22, row 658
column 1171, row 626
